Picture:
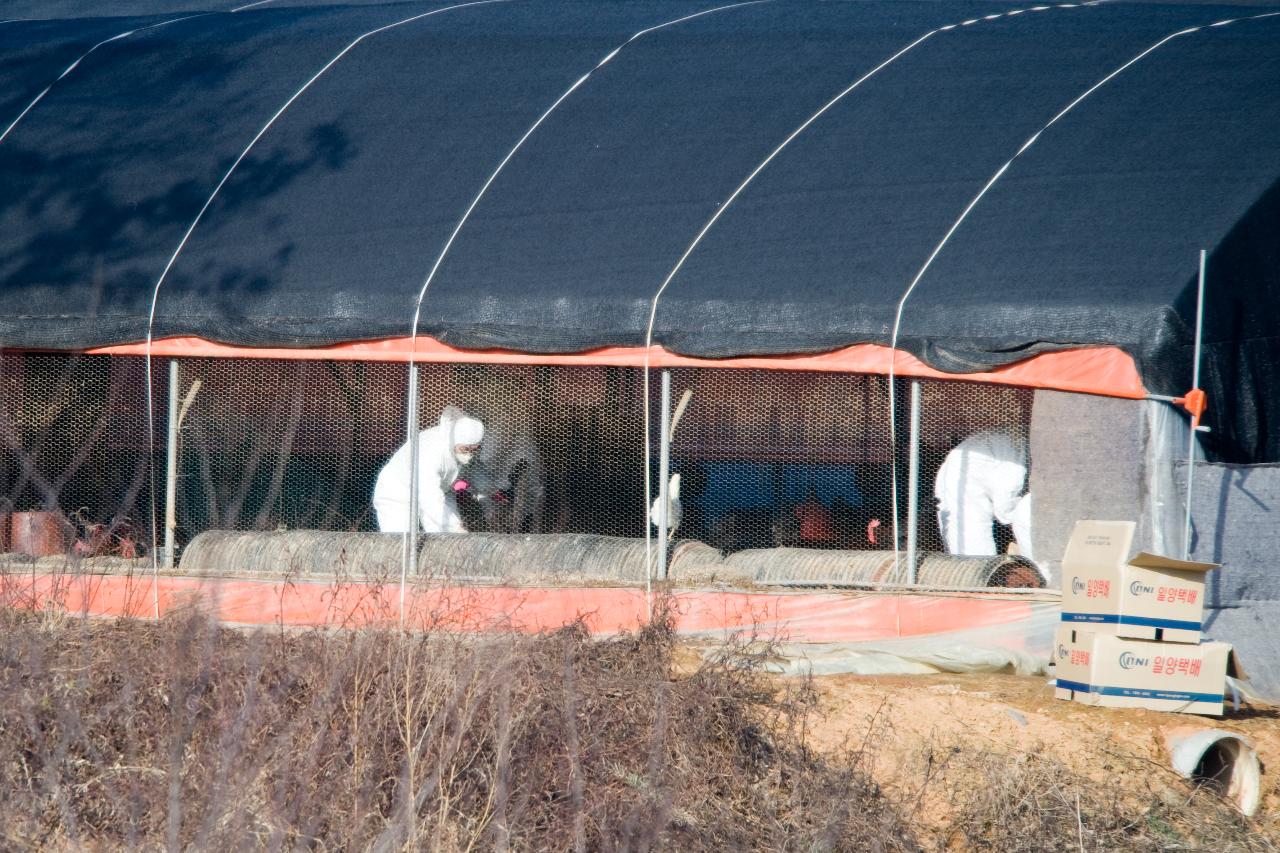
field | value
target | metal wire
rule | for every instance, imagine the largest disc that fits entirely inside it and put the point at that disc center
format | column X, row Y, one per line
column 502, row 164
column 72, row 67
column 275, row 446
column 995, row 177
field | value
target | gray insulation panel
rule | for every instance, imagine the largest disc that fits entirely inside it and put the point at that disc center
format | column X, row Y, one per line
column 1235, row 518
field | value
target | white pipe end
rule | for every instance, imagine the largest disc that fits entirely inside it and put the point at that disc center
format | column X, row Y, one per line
column 1223, row 761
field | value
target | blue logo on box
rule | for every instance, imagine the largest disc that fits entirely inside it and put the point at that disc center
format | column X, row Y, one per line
column 1128, row 660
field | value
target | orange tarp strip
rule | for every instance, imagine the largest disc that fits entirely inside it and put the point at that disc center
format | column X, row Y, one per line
column 815, row 617
column 1107, row 371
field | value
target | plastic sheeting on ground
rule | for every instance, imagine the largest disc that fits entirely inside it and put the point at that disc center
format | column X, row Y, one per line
column 1012, row 628
column 1020, row 647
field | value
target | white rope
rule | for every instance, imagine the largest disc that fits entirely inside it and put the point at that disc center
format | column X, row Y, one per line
column 155, row 568
column 1031, row 140
column 72, row 67
column 728, row 202
column 155, row 294
column 448, row 244
column 722, row 208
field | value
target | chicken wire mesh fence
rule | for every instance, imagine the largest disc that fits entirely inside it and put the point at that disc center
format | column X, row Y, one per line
column 282, row 444
column 783, row 459
column 269, row 445
column 788, row 459
column 973, row 464
column 74, row 455
column 266, row 445
column 762, row 458
column 562, row 448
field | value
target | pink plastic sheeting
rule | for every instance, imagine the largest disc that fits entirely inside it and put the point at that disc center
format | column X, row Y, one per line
column 1021, row 623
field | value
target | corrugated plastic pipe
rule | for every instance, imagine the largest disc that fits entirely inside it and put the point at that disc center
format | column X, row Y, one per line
column 1222, row 761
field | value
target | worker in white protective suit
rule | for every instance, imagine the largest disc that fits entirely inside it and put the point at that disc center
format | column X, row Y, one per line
column 442, row 451
column 983, row 479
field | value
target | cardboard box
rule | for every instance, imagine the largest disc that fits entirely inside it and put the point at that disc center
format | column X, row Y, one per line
column 1146, row 597
column 1116, row 672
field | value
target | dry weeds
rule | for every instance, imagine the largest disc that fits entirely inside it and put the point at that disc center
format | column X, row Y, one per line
column 1032, row 803
column 182, row 734
column 185, row 735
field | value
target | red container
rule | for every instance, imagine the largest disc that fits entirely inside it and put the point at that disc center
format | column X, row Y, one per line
column 39, row 534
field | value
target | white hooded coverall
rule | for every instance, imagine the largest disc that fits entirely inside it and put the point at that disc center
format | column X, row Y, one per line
column 438, row 470
column 983, row 479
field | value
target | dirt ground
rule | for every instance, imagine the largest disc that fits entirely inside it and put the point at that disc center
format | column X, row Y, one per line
column 917, row 728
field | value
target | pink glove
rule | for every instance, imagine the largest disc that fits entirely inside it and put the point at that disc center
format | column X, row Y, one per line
column 461, row 486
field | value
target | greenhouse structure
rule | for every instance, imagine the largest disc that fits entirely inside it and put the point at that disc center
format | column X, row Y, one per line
column 793, row 252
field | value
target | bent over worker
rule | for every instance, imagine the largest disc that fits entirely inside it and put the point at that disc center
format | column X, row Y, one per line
column 442, row 451
column 983, row 479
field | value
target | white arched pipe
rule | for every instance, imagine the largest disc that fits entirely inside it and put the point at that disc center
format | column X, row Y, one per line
column 761, row 166
column 991, row 182
column 155, row 293
column 484, row 189
column 72, row 67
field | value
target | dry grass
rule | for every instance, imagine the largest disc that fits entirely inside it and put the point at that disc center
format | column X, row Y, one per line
column 1031, row 802
column 182, row 734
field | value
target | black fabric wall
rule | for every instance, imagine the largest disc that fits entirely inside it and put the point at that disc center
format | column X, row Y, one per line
column 328, row 228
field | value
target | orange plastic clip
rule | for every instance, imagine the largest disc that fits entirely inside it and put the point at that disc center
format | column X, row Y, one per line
column 1195, row 402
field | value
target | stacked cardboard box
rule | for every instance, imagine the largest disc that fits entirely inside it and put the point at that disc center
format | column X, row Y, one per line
column 1131, row 627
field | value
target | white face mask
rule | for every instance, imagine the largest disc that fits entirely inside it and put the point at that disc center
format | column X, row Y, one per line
column 463, row 458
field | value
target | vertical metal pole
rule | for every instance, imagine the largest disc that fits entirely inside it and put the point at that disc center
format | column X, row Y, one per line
column 171, row 469
column 409, row 562
column 664, row 473
column 913, row 485
column 1195, row 421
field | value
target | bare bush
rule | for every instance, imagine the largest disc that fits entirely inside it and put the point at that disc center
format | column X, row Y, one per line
column 184, row 734
column 1032, row 802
